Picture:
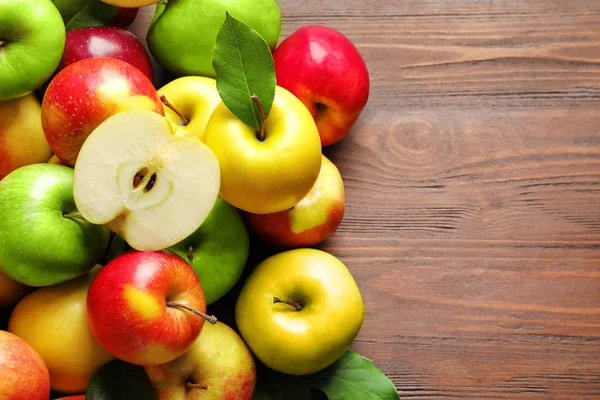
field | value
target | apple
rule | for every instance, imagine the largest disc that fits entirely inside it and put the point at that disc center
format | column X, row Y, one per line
column 218, row 366
column 11, row 291
column 87, row 92
column 32, row 37
column 125, row 16
column 183, row 33
column 312, row 220
column 299, row 311
column 148, row 183
column 321, row 67
column 22, row 140
column 43, row 239
column 54, row 321
column 217, row 250
column 272, row 173
column 24, row 375
column 78, row 397
column 146, row 308
column 105, row 41
column 55, row 160
column 130, row 3
column 194, row 98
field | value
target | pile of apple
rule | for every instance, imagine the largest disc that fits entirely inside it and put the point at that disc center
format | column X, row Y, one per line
column 126, row 210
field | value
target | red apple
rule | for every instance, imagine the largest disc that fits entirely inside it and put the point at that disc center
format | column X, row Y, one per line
column 105, row 41
column 312, row 220
column 142, row 307
column 85, row 94
column 321, row 67
column 23, row 375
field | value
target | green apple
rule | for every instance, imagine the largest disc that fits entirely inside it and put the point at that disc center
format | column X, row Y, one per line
column 43, row 239
column 217, row 251
column 32, row 39
column 218, row 366
column 195, row 98
column 299, row 311
column 184, row 32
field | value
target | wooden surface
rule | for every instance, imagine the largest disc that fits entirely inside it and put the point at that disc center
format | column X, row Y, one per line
column 473, row 193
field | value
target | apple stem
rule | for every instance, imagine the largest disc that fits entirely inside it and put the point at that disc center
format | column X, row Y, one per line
column 292, row 303
column 191, row 385
column 75, row 215
column 260, row 134
column 210, row 318
column 164, row 100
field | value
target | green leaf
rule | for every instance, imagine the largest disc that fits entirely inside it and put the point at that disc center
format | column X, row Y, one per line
column 244, row 67
column 281, row 391
column 353, row 377
column 84, row 13
column 119, row 380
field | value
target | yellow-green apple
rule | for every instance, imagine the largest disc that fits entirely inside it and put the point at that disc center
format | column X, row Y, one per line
column 299, row 311
column 267, row 174
column 32, row 37
column 54, row 321
column 146, row 179
column 23, row 375
column 22, row 140
column 11, row 291
column 43, row 240
column 183, row 33
column 324, row 69
column 194, row 98
column 86, row 93
column 217, row 251
column 146, row 308
column 218, row 366
column 312, row 220
column 105, row 41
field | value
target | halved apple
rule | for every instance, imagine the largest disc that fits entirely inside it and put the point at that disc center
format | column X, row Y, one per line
column 147, row 182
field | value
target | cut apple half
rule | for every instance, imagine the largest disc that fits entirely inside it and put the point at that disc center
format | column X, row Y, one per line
column 144, row 180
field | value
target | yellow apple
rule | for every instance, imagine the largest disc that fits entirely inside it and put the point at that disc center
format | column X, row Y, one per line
column 53, row 320
column 299, row 311
column 22, row 140
column 269, row 175
column 11, row 291
column 195, row 98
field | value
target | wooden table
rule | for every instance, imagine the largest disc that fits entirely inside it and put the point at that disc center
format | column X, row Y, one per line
column 473, row 193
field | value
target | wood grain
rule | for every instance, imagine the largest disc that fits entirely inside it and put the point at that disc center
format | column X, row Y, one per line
column 473, row 193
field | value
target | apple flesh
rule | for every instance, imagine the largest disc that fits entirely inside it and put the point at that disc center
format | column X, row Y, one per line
column 22, row 140
column 312, row 220
column 322, row 67
column 85, row 94
column 148, row 183
column 23, row 373
column 140, row 307
column 105, row 41
column 218, row 366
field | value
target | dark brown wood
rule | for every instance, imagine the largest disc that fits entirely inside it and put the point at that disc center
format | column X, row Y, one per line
column 473, row 193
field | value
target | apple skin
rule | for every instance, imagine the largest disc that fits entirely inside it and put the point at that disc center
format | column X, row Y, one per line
column 24, row 375
column 54, row 321
column 220, row 248
column 32, row 38
column 105, row 41
column 85, row 94
column 321, row 67
column 219, row 359
column 22, row 140
column 11, row 291
column 315, row 218
column 195, row 97
column 39, row 245
column 271, row 175
column 128, row 310
column 306, row 341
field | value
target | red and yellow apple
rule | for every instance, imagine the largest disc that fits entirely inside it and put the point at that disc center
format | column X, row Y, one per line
column 322, row 67
column 85, row 94
column 312, row 220
column 23, row 375
column 11, row 291
column 142, row 307
column 22, row 140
